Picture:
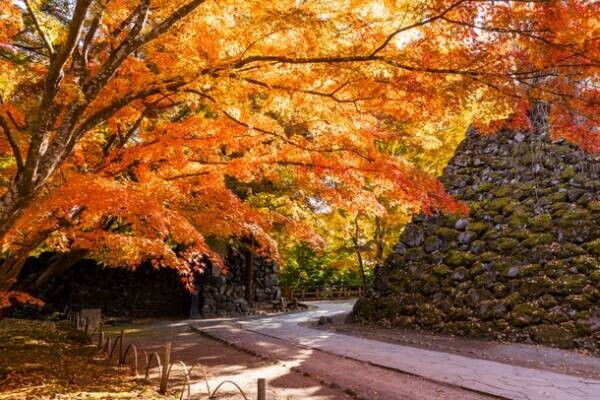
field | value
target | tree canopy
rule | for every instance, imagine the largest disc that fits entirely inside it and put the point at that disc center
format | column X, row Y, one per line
column 132, row 129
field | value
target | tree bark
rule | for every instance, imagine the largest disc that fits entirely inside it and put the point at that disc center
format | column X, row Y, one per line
column 250, row 277
column 355, row 241
column 59, row 266
column 379, row 239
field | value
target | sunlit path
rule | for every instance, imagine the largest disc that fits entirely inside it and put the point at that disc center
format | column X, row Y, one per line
column 484, row 376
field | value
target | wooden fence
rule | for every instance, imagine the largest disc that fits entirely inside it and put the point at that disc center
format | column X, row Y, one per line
column 324, row 293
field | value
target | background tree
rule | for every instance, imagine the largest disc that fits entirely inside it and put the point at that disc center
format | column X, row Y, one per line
column 125, row 122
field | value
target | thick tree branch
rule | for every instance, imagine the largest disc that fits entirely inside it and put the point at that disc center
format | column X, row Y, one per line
column 106, row 112
column 13, row 143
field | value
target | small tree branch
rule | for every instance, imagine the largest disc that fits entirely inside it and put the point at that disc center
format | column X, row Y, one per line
column 38, row 27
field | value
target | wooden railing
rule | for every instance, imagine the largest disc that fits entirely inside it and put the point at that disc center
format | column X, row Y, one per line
column 324, row 293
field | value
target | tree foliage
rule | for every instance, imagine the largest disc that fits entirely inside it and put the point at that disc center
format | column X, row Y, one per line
column 125, row 122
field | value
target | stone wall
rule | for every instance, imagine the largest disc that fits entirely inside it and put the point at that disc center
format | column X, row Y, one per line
column 524, row 265
column 223, row 294
column 149, row 292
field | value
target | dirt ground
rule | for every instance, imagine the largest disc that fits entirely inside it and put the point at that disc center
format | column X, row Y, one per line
column 525, row 355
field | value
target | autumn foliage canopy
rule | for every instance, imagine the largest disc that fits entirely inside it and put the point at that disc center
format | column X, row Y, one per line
column 137, row 130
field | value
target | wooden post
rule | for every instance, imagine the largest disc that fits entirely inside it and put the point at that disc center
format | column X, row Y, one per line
column 100, row 338
column 122, row 348
column 164, row 379
column 261, row 394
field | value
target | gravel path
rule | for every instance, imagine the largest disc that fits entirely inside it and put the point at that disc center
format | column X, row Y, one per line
column 319, row 351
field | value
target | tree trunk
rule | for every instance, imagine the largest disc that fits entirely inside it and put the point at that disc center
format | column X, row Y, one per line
column 379, row 239
column 355, row 241
column 9, row 272
column 250, row 277
column 12, row 204
column 59, row 266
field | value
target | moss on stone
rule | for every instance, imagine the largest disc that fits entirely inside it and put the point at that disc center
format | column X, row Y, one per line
column 505, row 244
column 456, row 258
column 540, row 223
column 487, row 256
column 525, row 314
column 530, row 269
column 578, row 301
column 593, row 247
column 441, row 271
column 556, row 197
column 594, row 206
column 537, row 239
column 503, row 191
column 553, row 335
column 513, row 299
column 570, row 284
column 414, row 254
column 518, row 218
column 566, row 249
column 478, row 227
column 485, row 187
column 499, row 204
column 574, row 218
column 447, row 234
column 568, row 173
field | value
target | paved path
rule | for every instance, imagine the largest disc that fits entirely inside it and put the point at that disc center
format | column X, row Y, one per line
column 502, row 380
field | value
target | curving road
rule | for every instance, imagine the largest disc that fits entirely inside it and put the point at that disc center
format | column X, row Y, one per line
column 376, row 370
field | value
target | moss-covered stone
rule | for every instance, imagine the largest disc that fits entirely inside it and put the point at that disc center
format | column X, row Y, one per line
column 570, row 284
column 574, row 218
column 594, row 206
column 578, row 301
column 478, row 227
column 513, row 299
column 505, row 244
column 503, row 191
column 537, row 239
column 585, row 263
column 552, row 335
column 518, row 218
column 566, row 249
column 441, row 271
column 447, row 234
column 428, row 315
column 457, row 258
column 485, row 187
column 511, row 272
column 568, row 173
column 432, row 243
column 540, row 223
column 526, row 314
column 594, row 247
column 460, row 274
column 414, row 254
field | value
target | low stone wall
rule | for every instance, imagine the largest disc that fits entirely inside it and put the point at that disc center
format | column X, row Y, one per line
column 524, row 265
column 151, row 292
column 225, row 294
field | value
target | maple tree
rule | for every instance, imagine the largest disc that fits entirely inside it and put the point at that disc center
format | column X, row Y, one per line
column 127, row 125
